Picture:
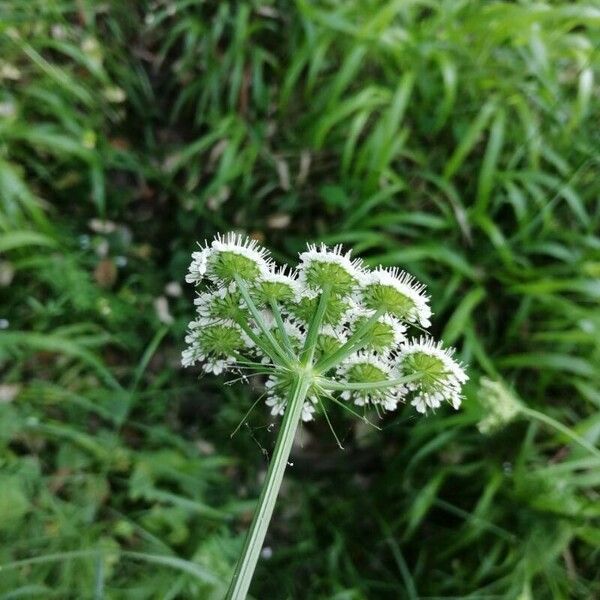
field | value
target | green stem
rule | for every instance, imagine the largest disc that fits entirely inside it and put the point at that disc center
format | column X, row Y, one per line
column 284, row 334
column 244, row 571
column 248, row 330
column 540, row 416
column 333, row 359
column 310, row 343
column 368, row 385
column 259, row 321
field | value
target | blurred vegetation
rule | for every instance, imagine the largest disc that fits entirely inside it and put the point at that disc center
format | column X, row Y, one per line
column 456, row 139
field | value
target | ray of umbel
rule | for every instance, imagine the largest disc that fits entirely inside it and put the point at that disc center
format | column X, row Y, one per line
column 330, row 327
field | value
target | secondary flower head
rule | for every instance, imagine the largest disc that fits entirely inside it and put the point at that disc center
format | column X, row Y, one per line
column 220, row 304
column 321, row 267
column 397, row 293
column 384, row 334
column 437, row 376
column 216, row 345
column 275, row 286
column 227, row 258
column 333, row 326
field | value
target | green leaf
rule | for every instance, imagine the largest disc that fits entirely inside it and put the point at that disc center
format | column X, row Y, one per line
column 459, row 320
column 19, row 239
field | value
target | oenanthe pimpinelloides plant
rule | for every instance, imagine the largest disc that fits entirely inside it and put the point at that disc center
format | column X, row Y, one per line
column 331, row 330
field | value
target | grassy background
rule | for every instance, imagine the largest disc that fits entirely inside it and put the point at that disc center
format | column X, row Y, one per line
column 456, row 139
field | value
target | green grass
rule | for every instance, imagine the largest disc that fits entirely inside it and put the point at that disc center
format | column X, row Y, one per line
column 455, row 139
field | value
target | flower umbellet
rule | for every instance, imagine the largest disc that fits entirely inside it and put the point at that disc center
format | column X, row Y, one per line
column 330, row 330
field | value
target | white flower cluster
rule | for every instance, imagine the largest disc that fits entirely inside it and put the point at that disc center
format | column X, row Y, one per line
column 442, row 377
column 331, row 319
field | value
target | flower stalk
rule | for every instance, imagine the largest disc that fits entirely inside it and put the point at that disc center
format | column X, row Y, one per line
column 242, row 576
column 308, row 351
column 501, row 406
column 259, row 320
